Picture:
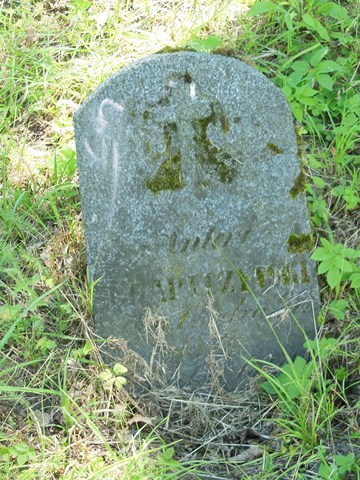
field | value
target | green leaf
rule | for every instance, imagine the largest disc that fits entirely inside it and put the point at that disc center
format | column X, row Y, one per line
column 325, row 81
column 338, row 307
column 326, row 244
column 268, row 387
column 120, row 382
column 21, row 459
column 322, row 347
column 343, row 265
column 321, row 254
column 297, row 111
column 212, row 42
column 106, row 375
column 333, row 10
column 344, row 462
column 319, row 182
column 209, row 43
column 119, row 369
column 313, row 24
column 325, row 266
column 21, row 448
column 318, row 55
column 300, row 66
column 168, row 453
column 5, row 454
column 333, row 277
column 328, row 66
column 261, row 7
column 355, row 280
column 328, row 471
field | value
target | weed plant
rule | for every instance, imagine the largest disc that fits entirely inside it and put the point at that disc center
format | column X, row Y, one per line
column 65, row 415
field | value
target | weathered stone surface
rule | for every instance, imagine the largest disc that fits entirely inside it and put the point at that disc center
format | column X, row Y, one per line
column 195, row 221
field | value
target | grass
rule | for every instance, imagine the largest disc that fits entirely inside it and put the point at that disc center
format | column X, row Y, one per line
column 63, row 414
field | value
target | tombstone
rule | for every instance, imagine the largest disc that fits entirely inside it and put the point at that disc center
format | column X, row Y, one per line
column 196, row 224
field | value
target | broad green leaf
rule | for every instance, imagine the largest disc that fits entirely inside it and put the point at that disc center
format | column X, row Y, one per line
column 260, row 8
column 343, row 264
column 269, row 388
column 168, row 453
column 287, row 90
column 309, row 92
column 328, row 66
column 300, row 365
column 328, row 471
column 106, row 375
column 354, row 101
column 21, row 459
column 355, row 280
column 319, row 182
column 120, row 382
column 5, row 454
column 305, row 100
column 345, row 460
column 119, row 369
column 325, row 266
column 333, row 277
column 209, row 43
column 300, row 66
column 289, row 22
column 21, row 448
column 326, row 244
column 333, row 10
column 297, row 111
column 212, row 42
column 339, row 248
column 322, row 346
column 338, row 191
column 325, row 81
column 313, row 24
column 321, row 254
column 318, row 55
column 338, row 308
column 296, row 77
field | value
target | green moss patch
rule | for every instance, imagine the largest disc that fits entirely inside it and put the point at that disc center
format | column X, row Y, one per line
column 275, row 149
column 299, row 184
column 210, row 155
column 300, row 243
column 168, row 177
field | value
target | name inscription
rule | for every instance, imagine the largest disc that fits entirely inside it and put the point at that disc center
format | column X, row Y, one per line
column 227, row 281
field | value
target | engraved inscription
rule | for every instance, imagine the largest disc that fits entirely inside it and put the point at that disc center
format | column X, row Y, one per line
column 223, row 282
column 290, row 273
column 211, row 240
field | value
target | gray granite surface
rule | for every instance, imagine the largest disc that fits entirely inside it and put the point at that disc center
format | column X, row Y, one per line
column 196, row 229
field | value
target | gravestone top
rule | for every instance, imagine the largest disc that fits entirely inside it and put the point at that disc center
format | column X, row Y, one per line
column 196, row 226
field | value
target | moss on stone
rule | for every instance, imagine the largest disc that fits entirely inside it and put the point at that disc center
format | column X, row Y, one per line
column 184, row 316
column 244, row 280
column 260, row 277
column 209, row 154
column 227, row 52
column 225, row 126
column 168, row 177
column 300, row 243
column 304, row 272
column 168, row 49
column 285, row 275
column 299, row 185
column 275, row 149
